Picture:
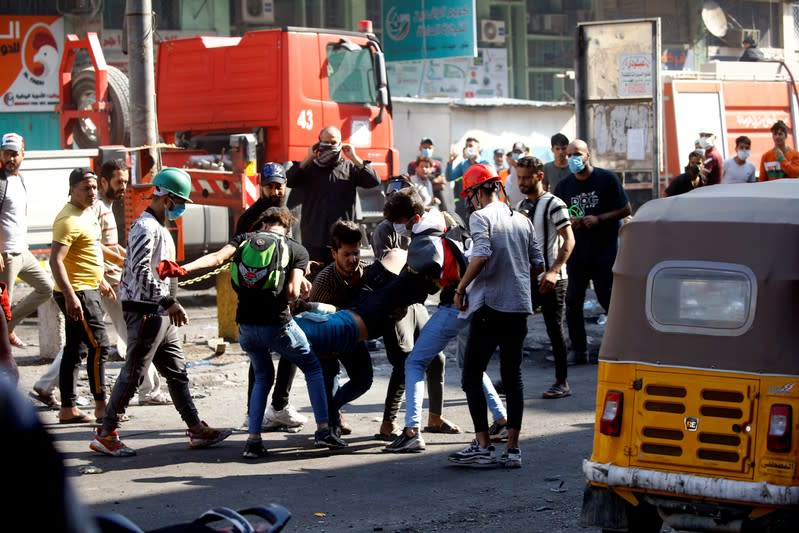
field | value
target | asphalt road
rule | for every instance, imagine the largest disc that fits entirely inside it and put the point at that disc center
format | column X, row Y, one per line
column 358, row 489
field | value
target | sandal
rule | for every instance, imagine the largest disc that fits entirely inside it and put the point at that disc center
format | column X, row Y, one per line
column 556, row 391
column 44, row 397
column 444, row 427
column 16, row 341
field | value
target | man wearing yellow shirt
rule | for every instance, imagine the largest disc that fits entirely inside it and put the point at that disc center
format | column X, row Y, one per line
column 77, row 264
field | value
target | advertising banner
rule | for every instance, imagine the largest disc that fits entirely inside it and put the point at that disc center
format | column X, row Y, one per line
column 30, row 56
column 484, row 76
column 428, row 29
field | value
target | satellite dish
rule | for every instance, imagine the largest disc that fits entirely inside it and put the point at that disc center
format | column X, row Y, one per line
column 714, row 18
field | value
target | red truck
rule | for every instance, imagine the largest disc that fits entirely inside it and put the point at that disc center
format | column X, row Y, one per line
column 278, row 87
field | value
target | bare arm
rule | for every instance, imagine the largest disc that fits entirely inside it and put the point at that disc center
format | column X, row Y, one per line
column 58, row 252
column 550, row 277
column 476, row 265
column 297, row 285
column 113, row 253
column 214, row 259
column 589, row 221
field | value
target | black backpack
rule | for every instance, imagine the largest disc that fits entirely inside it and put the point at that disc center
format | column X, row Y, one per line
column 260, row 263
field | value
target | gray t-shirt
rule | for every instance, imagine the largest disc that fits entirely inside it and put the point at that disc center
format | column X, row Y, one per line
column 509, row 242
column 553, row 175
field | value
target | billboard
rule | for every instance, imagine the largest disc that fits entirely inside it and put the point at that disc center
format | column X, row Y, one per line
column 30, row 56
column 483, row 76
column 428, row 29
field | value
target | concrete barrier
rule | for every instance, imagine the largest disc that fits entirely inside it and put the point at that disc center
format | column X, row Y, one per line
column 51, row 329
column 226, row 302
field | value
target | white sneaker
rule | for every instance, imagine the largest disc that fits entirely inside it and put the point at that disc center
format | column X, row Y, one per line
column 288, row 417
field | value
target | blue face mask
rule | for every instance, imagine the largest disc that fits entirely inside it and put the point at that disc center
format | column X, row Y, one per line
column 426, row 152
column 576, row 164
column 176, row 212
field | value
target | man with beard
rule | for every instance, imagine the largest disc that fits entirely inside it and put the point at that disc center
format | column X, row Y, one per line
column 691, row 178
column 16, row 260
column 329, row 183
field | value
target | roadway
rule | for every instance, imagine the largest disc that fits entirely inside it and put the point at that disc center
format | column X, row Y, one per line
column 357, row 489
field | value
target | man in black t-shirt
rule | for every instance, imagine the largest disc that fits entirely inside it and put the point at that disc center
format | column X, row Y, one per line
column 597, row 203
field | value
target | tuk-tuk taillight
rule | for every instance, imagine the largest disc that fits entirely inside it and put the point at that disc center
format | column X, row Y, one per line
column 610, row 423
column 779, row 428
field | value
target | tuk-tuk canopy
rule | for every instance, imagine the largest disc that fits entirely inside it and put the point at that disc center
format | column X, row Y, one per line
column 755, row 225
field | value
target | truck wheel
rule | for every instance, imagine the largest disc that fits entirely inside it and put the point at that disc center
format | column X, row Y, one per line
column 642, row 518
column 85, row 132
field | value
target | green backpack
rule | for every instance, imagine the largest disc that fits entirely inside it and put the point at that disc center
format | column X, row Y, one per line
column 260, row 263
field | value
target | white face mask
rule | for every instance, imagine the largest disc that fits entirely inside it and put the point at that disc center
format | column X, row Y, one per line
column 402, row 230
column 743, row 154
column 469, row 152
column 706, row 142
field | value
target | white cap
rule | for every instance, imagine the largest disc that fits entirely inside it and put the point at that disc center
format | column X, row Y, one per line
column 12, row 141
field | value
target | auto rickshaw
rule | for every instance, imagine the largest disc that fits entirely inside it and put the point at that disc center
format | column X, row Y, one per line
column 698, row 374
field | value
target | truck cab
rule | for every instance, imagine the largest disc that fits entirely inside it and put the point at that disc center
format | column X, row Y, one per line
column 283, row 86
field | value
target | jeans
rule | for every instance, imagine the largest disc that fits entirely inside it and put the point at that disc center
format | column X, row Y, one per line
column 580, row 275
column 399, row 345
column 491, row 328
column 258, row 340
column 89, row 333
column 358, row 364
column 442, row 327
column 24, row 266
column 552, row 307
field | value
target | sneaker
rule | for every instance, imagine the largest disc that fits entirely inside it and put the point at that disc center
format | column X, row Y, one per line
column 475, row 456
column 511, row 458
column 207, row 437
column 16, row 341
column 287, row 416
column 404, row 443
column 157, row 399
column 328, row 438
column 254, row 449
column 557, row 390
column 110, row 445
column 498, row 432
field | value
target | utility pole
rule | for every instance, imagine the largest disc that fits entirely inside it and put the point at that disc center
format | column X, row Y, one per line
column 141, row 72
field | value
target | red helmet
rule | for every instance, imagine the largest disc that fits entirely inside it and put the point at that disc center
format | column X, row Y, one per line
column 475, row 176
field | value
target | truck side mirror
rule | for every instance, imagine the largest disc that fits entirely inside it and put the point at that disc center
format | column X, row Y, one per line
column 381, row 78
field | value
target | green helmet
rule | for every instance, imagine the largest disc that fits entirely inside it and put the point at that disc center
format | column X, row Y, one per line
column 175, row 180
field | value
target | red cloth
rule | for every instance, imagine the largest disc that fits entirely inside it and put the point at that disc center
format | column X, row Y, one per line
column 5, row 303
column 170, row 269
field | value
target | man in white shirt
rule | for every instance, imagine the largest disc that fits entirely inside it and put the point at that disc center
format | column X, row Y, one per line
column 16, row 260
column 738, row 169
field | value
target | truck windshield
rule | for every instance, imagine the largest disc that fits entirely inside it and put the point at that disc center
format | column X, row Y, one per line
column 350, row 75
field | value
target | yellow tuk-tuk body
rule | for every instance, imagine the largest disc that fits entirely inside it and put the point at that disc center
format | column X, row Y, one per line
column 697, row 419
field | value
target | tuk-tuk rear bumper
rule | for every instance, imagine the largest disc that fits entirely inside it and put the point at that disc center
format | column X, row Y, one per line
column 690, row 485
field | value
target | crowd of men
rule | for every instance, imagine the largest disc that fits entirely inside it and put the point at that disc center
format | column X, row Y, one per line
column 456, row 228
